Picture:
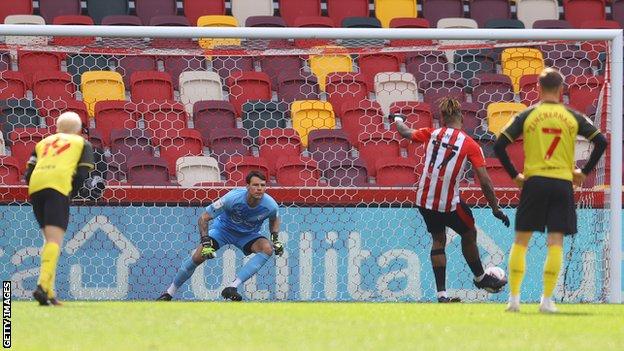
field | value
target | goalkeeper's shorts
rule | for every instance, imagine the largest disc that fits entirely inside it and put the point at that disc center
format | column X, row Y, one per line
column 242, row 242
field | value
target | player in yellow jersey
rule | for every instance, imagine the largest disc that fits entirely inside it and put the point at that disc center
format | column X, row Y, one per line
column 56, row 170
column 547, row 199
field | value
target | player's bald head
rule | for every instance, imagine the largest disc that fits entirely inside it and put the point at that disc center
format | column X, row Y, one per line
column 68, row 122
column 550, row 80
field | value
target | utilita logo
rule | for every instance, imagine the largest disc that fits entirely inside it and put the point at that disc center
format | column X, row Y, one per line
column 6, row 314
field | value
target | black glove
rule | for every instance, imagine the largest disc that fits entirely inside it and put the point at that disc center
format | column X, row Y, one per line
column 278, row 247
column 393, row 117
column 502, row 216
column 208, row 251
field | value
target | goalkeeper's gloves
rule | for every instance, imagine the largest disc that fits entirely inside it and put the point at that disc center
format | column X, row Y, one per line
column 397, row 117
column 502, row 216
column 208, row 250
column 278, row 247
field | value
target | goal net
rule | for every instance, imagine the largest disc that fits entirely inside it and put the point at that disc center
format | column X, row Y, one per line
column 178, row 122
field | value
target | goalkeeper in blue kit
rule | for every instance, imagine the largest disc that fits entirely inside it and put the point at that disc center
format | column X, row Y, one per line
column 237, row 219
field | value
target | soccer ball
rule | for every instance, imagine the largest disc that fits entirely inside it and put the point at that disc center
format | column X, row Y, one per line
column 496, row 272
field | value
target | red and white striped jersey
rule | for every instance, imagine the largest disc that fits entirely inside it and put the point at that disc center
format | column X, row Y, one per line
column 446, row 153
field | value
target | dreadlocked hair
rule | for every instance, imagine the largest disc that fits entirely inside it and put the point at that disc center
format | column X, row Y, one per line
column 450, row 109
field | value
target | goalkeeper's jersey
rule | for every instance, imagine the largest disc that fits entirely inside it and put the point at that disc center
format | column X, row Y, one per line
column 232, row 213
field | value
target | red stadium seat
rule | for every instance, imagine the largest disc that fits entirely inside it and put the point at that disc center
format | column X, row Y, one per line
column 17, row 7
column 443, row 85
column 147, row 170
column 345, row 86
column 188, row 142
column 53, row 85
column 127, row 65
column 313, row 22
column 418, row 115
column 409, row 22
column 51, row 109
column 9, row 171
column 175, row 65
column 12, row 85
column 489, row 87
column 273, row 66
column 434, row 10
column 31, row 62
column 515, row 151
column 326, row 145
column 114, row 114
column 338, row 10
column 348, row 172
column 148, row 86
column 23, row 141
column 146, row 9
column 583, row 91
column 278, row 142
column 293, row 86
column 578, row 11
column 225, row 143
column 238, row 166
column 126, row 143
column 297, row 171
column 497, row 173
column 50, row 9
column 396, row 171
column 426, row 65
column 529, row 95
column 371, row 64
column 228, row 65
column 193, row 9
column 95, row 138
column 211, row 114
column 290, row 10
column 485, row 10
column 472, row 119
column 73, row 20
column 372, row 146
column 248, row 86
column 361, row 117
column 164, row 119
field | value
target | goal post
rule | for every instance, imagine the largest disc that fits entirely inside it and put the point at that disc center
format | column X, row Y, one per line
column 344, row 240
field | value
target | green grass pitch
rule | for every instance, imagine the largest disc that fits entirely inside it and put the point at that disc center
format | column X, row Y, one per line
column 284, row 326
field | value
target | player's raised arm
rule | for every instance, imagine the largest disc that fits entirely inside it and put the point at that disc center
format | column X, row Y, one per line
column 420, row 135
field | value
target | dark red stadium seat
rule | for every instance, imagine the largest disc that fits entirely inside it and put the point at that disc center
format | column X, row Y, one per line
column 194, row 9
column 425, row 65
column 147, row 170
column 127, row 65
column 552, row 24
column 497, row 174
column 313, row 22
column 515, row 151
column 375, row 145
column 146, row 9
column 396, row 171
column 278, row 142
column 371, row 64
column 347, row 172
column 30, row 62
column 273, row 66
column 601, row 24
column 114, row 114
column 434, row 10
column 5, row 61
column 169, row 21
column 238, row 166
column 361, row 117
column 529, row 95
column 290, row 10
column 489, row 87
column 23, row 141
column 17, row 7
column 175, row 65
column 121, row 20
column 443, row 85
column 578, row 11
column 473, row 115
column 575, row 63
column 49, row 9
column 297, row 171
column 95, row 138
column 293, row 86
column 327, row 145
column 248, row 86
column 148, row 86
column 484, row 10
column 617, row 11
column 188, row 142
column 338, row 10
column 409, row 22
column 211, row 114
column 73, row 20
column 126, row 143
column 53, row 85
column 9, row 171
column 51, row 109
column 583, row 91
column 225, row 143
column 228, row 65
column 345, row 86
column 265, row 21
column 100, row 9
column 164, row 119
column 12, row 85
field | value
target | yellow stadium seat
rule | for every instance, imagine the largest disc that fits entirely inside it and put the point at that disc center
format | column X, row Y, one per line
column 335, row 60
column 518, row 62
column 99, row 86
column 308, row 115
column 500, row 113
column 386, row 10
column 217, row 21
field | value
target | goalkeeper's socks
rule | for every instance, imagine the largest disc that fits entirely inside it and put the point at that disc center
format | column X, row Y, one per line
column 552, row 265
column 184, row 273
column 517, row 266
column 49, row 258
column 252, row 266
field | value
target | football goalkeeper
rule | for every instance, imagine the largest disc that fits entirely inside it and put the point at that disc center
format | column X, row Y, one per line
column 238, row 217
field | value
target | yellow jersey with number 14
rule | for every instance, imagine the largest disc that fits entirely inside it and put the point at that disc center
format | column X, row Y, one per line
column 56, row 159
column 549, row 131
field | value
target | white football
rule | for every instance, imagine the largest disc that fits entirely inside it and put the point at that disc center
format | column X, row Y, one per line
column 496, row 272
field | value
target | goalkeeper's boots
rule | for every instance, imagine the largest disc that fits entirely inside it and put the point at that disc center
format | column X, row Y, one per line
column 164, row 297
column 230, row 293
column 445, row 299
column 490, row 283
column 41, row 296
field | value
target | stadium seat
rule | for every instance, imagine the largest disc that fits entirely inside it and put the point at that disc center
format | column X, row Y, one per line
column 95, row 138
column 265, row 21
column 29, row 62
column 499, row 114
column 617, row 11
column 571, row 63
column 243, row 9
column 51, row 109
column 147, row 170
column 121, row 20
column 78, row 64
column 126, row 143
column 229, row 142
column 127, row 65
column 601, row 24
column 238, row 166
column 374, row 145
column 418, row 114
column 346, row 173
column 164, row 119
column 175, row 65
column 452, row 22
column 529, row 11
column 99, row 9
column 505, row 23
column 434, row 10
column 498, row 175
column 328, row 145
column 360, row 22
column 210, row 114
column 470, row 62
column 5, row 61
column 297, row 171
column 517, row 62
column 410, row 22
column 485, row 10
column 228, row 65
column 417, row 152
column 149, row 86
column 73, row 20
column 49, row 9
column 578, row 11
column 488, row 87
column 188, row 142
column 217, row 21
column 9, row 171
column 17, row 113
column 584, row 91
column 444, row 85
column 114, row 114
column 552, row 24
column 23, row 141
column 516, row 153
column 167, row 43
column 192, row 170
column 197, row 86
column 313, row 22
column 371, row 64
column 396, row 171
column 193, row 9
column 169, row 21
column 17, row 7
column 53, row 85
column 259, row 115
column 12, row 85
column 244, row 86
column 394, row 86
column 336, row 59
column 290, row 10
column 278, row 142
column 361, row 117
column 426, row 64
column 386, row 10
column 146, row 9
column 345, row 86
column 308, row 115
column 293, row 86
column 274, row 66
column 338, row 10
column 101, row 85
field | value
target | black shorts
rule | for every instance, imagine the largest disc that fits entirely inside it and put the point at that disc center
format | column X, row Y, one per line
column 460, row 220
column 50, row 208
column 546, row 204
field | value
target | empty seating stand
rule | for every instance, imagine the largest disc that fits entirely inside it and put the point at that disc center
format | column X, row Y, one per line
column 98, row 9
column 338, row 10
column 290, row 10
column 146, row 9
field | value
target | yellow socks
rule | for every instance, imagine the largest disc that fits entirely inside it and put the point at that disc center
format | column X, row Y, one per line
column 517, row 266
column 552, row 265
column 49, row 258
